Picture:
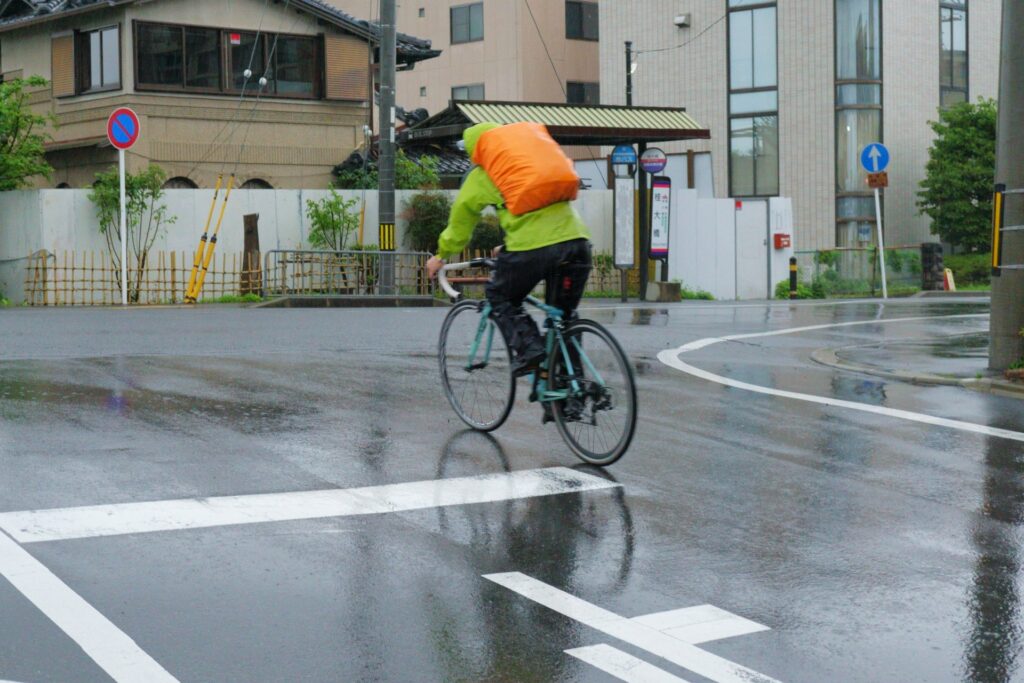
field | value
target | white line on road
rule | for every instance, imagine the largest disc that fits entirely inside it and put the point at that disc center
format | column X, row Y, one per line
column 678, row 652
column 700, row 624
column 622, row 665
column 671, row 358
column 33, row 526
column 108, row 646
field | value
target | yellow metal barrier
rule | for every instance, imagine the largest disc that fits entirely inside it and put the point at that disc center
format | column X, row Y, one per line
column 197, row 286
column 198, row 261
column 997, row 230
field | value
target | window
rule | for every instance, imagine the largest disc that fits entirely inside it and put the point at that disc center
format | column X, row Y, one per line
column 423, row 12
column 583, row 93
column 468, row 92
column 952, row 52
column 99, row 60
column 581, row 22
column 197, row 59
column 468, row 23
column 858, row 102
column 753, row 99
column 423, row 91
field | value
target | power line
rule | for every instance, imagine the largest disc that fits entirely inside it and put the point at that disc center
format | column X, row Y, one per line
column 686, row 42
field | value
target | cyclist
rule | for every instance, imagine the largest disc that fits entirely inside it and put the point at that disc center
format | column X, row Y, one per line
column 550, row 244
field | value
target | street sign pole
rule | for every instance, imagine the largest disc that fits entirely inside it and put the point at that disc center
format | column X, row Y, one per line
column 875, row 159
column 124, row 233
column 881, row 243
column 123, row 131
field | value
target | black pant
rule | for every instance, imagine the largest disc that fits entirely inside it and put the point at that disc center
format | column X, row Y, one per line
column 564, row 267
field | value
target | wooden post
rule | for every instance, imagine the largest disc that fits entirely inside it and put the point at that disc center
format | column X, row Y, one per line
column 174, row 288
column 250, row 281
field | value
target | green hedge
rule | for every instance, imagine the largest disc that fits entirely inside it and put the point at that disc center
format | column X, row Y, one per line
column 970, row 269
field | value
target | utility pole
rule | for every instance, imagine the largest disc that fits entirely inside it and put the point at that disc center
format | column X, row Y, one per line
column 629, row 73
column 386, row 156
column 642, row 178
column 1008, row 287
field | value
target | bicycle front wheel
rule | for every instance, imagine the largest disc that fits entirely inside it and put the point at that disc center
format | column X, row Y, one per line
column 598, row 418
column 476, row 367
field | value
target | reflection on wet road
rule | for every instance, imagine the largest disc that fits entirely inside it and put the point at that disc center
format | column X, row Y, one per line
column 818, row 542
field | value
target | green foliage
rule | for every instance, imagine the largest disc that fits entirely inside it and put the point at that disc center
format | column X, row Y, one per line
column 970, row 269
column 603, row 262
column 237, row 299
column 22, row 135
column 426, row 215
column 685, row 293
column 957, row 190
column 802, row 291
column 829, row 259
column 487, row 234
column 333, row 221
column 146, row 217
column 409, row 175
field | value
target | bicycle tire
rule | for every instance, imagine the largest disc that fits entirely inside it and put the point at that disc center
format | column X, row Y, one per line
column 570, row 428
column 474, row 412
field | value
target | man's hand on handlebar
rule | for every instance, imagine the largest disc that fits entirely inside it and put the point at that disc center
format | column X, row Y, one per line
column 434, row 264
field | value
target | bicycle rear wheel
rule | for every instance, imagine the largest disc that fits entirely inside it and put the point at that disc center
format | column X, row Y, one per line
column 476, row 367
column 598, row 419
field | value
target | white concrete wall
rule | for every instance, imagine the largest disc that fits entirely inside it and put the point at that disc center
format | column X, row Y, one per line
column 65, row 220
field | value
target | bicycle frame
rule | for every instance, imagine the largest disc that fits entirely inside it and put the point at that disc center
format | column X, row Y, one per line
column 554, row 322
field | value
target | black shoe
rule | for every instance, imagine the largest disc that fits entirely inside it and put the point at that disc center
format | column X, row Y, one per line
column 549, row 415
column 527, row 364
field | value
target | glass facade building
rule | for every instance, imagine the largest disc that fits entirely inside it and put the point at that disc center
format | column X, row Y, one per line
column 753, row 99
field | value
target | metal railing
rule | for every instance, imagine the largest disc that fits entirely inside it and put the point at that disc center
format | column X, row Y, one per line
column 999, row 228
column 306, row 272
column 854, row 271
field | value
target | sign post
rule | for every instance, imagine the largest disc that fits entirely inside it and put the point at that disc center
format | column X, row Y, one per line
column 652, row 162
column 875, row 158
column 661, row 203
column 623, row 162
column 123, row 132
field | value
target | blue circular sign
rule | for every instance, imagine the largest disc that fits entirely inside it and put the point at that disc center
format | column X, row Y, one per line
column 874, row 158
column 123, row 128
column 624, row 154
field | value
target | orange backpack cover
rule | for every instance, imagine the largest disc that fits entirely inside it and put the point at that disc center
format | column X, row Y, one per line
column 526, row 164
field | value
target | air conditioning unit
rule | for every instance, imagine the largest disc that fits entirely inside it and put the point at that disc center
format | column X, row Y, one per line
column 682, row 20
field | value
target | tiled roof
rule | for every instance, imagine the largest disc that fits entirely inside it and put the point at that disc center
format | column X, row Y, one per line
column 410, row 48
column 569, row 124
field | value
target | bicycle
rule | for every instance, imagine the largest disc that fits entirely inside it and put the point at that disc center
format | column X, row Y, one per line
column 591, row 393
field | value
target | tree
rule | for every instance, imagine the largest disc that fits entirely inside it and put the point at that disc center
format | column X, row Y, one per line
column 146, row 217
column 427, row 216
column 957, row 190
column 333, row 221
column 22, row 135
column 409, row 174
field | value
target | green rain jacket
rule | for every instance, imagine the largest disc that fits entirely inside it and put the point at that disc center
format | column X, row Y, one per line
column 553, row 224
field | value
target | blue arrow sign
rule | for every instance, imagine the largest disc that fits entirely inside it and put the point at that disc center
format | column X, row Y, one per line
column 874, row 158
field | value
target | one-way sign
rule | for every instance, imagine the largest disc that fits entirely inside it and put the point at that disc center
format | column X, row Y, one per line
column 874, row 158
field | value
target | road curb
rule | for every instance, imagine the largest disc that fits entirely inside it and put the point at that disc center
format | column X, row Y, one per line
column 829, row 358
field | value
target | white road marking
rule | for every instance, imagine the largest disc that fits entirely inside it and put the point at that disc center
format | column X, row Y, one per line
column 622, row 665
column 678, row 652
column 700, row 624
column 671, row 358
column 34, row 526
column 108, row 646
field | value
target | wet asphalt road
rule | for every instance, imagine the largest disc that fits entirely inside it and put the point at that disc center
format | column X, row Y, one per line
column 874, row 548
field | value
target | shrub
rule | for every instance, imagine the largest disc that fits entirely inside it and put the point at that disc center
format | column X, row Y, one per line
column 409, row 174
column 970, row 269
column 487, row 234
column 802, row 291
column 685, row 293
column 426, row 214
column 146, row 217
column 333, row 221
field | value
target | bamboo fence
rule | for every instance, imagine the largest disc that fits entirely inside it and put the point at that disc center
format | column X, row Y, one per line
column 91, row 278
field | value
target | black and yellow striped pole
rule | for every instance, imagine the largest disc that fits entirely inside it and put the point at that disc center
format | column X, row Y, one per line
column 997, row 229
column 792, row 277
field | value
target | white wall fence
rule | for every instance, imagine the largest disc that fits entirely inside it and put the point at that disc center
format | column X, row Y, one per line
column 65, row 220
